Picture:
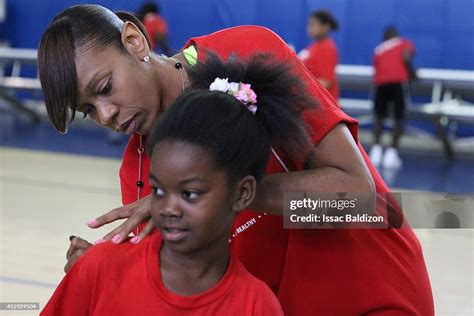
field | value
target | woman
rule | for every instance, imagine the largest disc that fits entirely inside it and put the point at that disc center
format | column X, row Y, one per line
column 93, row 62
column 321, row 56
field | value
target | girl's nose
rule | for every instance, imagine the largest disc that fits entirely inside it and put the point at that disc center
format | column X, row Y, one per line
column 170, row 208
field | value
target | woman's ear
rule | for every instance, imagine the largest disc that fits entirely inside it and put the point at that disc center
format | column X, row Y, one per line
column 134, row 41
column 245, row 193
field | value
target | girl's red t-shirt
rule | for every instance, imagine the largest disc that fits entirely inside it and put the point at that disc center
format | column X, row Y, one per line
column 313, row 271
column 125, row 279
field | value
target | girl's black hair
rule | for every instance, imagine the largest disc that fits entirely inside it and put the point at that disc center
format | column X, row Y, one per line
column 81, row 26
column 325, row 17
column 239, row 140
column 390, row 32
column 148, row 7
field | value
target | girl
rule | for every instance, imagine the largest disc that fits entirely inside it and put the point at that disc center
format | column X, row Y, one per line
column 100, row 64
column 321, row 57
column 201, row 176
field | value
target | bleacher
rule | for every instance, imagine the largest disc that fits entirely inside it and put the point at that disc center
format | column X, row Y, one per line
column 14, row 59
column 446, row 89
column 445, row 110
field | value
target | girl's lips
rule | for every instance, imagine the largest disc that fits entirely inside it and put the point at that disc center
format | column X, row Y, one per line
column 174, row 234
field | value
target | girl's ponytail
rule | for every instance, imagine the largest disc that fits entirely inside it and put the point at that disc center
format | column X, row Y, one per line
column 239, row 137
column 281, row 96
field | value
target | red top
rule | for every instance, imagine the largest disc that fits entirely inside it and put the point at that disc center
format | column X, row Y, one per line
column 154, row 24
column 388, row 61
column 125, row 280
column 321, row 59
column 345, row 272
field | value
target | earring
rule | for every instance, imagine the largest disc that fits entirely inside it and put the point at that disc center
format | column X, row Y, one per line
column 146, row 59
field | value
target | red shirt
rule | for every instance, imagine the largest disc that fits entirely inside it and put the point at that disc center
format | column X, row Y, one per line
column 154, row 24
column 321, row 59
column 388, row 61
column 125, row 280
column 314, row 272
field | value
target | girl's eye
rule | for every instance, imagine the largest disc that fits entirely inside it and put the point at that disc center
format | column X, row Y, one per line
column 87, row 112
column 107, row 88
column 158, row 191
column 190, row 195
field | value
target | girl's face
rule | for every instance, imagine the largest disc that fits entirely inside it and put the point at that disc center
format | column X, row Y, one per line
column 116, row 90
column 192, row 205
column 316, row 29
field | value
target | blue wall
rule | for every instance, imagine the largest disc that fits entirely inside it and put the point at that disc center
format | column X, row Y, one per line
column 443, row 30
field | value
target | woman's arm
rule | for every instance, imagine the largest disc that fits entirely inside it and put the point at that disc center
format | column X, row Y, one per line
column 335, row 165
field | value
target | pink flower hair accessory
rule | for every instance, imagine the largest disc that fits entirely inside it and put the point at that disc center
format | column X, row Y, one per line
column 241, row 91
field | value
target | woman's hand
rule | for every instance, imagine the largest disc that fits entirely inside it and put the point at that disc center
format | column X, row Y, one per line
column 136, row 213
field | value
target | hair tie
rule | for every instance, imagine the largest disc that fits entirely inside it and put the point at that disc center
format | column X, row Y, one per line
column 241, row 91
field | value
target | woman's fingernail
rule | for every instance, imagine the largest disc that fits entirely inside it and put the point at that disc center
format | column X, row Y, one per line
column 92, row 222
column 100, row 241
column 135, row 240
column 116, row 239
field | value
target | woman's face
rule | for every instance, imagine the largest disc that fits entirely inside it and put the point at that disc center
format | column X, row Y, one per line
column 116, row 90
column 192, row 203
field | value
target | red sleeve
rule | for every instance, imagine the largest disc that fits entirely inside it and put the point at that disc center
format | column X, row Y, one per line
column 268, row 304
column 245, row 41
column 74, row 294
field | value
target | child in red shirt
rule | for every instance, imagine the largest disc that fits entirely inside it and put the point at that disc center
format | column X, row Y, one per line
column 201, row 175
column 125, row 279
column 321, row 57
column 156, row 27
column 393, row 69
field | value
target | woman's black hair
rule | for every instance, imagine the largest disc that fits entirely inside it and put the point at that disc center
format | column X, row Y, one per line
column 81, row 26
column 148, row 7
column 325, row 17
column 239, row 140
